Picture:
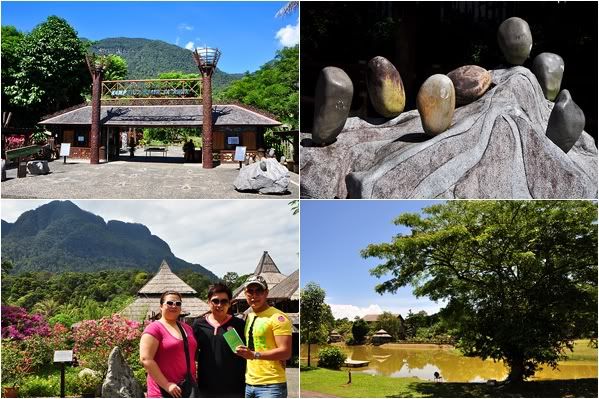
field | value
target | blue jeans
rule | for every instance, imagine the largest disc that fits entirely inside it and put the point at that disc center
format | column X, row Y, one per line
column 266, row 391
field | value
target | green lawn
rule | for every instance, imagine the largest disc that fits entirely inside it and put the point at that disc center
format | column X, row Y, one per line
column 363, row 385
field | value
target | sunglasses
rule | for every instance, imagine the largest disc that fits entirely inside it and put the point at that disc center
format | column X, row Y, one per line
column 216, row 301
column 173, row 303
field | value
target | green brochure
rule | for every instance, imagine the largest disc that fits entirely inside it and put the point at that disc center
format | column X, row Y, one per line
column 233, row 339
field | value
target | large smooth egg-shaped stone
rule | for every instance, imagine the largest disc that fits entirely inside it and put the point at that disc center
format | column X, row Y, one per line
column 436, row 103
column 566, row 122
column 515, row 40
column 334, row 92
column 470, row 83
column 385, row 87
column 549, row 70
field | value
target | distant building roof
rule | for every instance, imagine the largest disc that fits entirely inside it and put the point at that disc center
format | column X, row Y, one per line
column 163, row 115
column 166, row 280
column 370, row 318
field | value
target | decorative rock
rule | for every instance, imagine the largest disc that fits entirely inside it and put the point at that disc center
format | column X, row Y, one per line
column 549, row 69
column 470, row 83
column 38, row 167
column 119, row 381
column 435, row 103
column 334, row 92
column 566, row 122
column 385, row 87
column 267, row 177
column 515, row 40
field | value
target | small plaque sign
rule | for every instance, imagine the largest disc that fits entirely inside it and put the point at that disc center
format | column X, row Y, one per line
column 63, row 356
column 234, row 140
column 65, row 149
column 239, row 153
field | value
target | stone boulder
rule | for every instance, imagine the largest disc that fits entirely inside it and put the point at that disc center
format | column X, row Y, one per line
column 119, row 381
column 38, row 167
column 496, row 147
column 267, row 177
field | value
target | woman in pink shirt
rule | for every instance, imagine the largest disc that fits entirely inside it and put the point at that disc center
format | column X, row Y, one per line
column 161, row 349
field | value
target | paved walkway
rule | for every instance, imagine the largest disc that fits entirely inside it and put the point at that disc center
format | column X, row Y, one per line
column 144, row 177
column 293, row 382
column 314, row 394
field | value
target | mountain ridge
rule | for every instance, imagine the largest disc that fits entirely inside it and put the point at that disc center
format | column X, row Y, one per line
column 59, row 236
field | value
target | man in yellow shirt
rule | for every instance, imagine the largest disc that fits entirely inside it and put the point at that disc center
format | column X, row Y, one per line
column 268, row 337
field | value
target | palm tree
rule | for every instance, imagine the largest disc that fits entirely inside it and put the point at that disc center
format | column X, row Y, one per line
column 287, row 9
column 48, row 307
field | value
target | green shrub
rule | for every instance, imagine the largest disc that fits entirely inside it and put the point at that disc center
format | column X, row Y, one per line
column 350, row 340
column 36, row 387
column 331, row 357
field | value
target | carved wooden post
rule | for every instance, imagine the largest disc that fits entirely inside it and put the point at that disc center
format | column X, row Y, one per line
column 96, row 69
column 206, row 59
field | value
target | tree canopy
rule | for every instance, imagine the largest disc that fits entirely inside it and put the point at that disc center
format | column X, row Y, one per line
column 311, row 303
column 520, row 277
column 274, row 87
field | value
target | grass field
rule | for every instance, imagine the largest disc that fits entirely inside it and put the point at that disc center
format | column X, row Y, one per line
column 363, row 385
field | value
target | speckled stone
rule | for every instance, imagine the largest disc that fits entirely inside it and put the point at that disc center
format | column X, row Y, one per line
column 470, row 83
column 566, row 122
column 334, row 92
column 549, row 70
column 436, row 103
column 515, row 40
column 385, row 87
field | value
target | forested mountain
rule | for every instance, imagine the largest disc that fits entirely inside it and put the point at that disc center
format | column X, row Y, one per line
column 146, row 59
column 59, row 236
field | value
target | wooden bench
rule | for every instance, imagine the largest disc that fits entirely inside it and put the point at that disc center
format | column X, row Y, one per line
column 19, row 154
column 150, row 150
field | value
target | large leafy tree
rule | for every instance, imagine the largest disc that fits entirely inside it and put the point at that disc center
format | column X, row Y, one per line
column 392, row 324
column 274, row 87
column 359, row 330
column 520, row 277
column 50, row 73
column 311, row 309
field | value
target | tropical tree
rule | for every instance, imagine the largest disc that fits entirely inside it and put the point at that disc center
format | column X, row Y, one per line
column 116, row 68
column 311, row 301
column 392, row 324
column 359, row 329
column 51, row 72
column 520, row 277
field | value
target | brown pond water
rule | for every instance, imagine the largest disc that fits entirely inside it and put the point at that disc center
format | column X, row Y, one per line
column 422, row 361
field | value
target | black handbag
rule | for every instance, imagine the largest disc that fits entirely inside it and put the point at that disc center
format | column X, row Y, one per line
column 189, row 388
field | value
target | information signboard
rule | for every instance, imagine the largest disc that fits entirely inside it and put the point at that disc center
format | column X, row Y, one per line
column 239, row 153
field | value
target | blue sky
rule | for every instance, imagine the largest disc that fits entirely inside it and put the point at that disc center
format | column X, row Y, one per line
column 332, row 235
column 248, row 33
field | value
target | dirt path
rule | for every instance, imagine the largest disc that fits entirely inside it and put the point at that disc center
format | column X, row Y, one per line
column 313, row 394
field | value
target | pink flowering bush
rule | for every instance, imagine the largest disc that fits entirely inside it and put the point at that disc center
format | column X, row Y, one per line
column 94, row 339
column 18, row 324
column 13, row 142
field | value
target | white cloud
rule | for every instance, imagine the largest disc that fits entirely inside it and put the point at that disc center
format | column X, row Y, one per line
column 185, row 27
column 351, row 311
column 189, row 46
column 288, row 36
column 177, row 40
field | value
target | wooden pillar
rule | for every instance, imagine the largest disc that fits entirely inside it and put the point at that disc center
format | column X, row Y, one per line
column 96, row 69
column 207, row 121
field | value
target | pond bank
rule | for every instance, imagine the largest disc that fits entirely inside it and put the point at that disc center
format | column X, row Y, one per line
column 330, row 383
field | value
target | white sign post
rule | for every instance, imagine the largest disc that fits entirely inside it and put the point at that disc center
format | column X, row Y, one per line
column 65, row 151
column 239, row 154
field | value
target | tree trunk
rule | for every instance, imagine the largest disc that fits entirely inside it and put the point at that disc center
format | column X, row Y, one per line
column 517, row 369
column 308, row 346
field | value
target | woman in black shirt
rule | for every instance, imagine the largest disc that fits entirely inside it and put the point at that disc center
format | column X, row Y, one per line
column 221, row 373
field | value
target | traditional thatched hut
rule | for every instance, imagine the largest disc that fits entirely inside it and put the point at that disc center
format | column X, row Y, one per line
column 334, row 336
column 267, row 269
column 147, row 304
column 381, row 337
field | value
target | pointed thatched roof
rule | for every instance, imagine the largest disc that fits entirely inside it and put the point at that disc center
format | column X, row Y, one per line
column 267, row 269
column 166, row 280
column 147, row 305
column 287, row 289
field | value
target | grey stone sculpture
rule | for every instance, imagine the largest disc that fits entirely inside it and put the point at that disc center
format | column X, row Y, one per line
column 267, row 177
column 38, row 167
column 470, row 83
column 385, row 87
column 497, row 148
column 566, row 122
column 515, row 40
column 549, row 70
column 119, row 381
column 333, row 97
column 436, row 103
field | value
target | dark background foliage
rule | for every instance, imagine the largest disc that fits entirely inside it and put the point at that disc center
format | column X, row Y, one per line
column 424, row 38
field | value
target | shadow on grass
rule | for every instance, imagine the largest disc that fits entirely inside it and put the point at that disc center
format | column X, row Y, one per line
column 580, row 388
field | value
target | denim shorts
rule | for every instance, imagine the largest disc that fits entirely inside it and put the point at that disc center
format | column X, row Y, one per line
column 266, row 391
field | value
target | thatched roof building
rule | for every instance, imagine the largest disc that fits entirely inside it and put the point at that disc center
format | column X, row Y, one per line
column 268, row 269
column 287, row 288
column 373, row 318
column 147, row 304
column 381, row 337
